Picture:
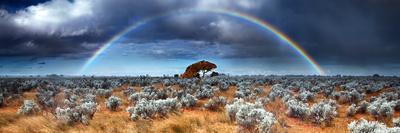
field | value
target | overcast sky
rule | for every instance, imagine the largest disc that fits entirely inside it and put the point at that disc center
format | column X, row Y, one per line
column 357, row 37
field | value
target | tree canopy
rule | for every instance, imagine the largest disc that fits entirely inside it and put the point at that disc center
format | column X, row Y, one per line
column 194, row 69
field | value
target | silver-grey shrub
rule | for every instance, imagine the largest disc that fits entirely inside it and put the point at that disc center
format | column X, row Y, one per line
column 323, row 112
column 104, row 92
column 362, row 107
column 188, row 100
column 129, row 91
column 215, row 102
column 82, row 113
column 28, row 108
column 380, row 108
column 396, row 122
column 88, row 98
column 205, row 91
column 277, row 90
column 88, row 109
column 297, row 109
column 352, row 110
column 306, row 96
column 364, row 126
column 145, row 109
column 223, row 86
column 113, row 102
column 396, row 105
column 250, row 116
column 1, row 99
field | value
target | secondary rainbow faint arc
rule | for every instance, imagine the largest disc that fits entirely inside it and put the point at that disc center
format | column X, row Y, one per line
column 247, row 17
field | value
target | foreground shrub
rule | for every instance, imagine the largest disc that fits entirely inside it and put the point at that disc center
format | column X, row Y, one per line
column 104, row 92
column 129, row 91
column 205, row 91
column 45, row 96
column 323, row 112
column 145, row 109
column 396, row 122
column 1, row 99
column 306, row 96
column 277, row 90
column 82, row 113
column 223, row 86
column 188, row 100
column 297, row 109
column 363, row 126
column 352, row 110
column 112, row 103
column 380, row 108
column 215, row 102
column 396, row 105
column 88, row 98
column 250, row 116
column 28, row 108
column 362, row 107
column 88, row 109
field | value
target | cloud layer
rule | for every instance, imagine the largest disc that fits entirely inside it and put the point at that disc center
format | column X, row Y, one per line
column 352, row 33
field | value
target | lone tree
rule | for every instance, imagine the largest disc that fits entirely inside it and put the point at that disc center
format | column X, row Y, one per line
column 201, row 66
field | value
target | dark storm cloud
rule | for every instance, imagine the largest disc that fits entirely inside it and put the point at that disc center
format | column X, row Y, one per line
column 14, row 5
column 355, row 32
column 340, row 32
column 79, row 27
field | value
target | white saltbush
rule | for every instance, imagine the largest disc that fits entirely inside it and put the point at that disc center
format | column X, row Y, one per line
column 380, row 108
column 28, row 108
column 113, row 102
column 104, row 92
column 323, row 112
column 249, row 115
column 297, row 109
column 145, row 109
column 396, row 122
column 352, row 110
column 364, row 126
column 215, row 102
column 188, row 100
column 206, row 91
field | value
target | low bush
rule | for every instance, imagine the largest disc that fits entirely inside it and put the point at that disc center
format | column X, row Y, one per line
column 362, row 107
column 250, row 116
column 113, row 102
column 396, row 122
column 380, row 108
column 188, row 100
column 352, row 110
column 323, row 112
column 206, row 91
column 223, row 86
column 306, row 96
column 104, row 92
column 215, row 103
column 145, row 109
column 297, row 109
column 1, row 100
column 277, row 90
column 364, row 126
column 28, row 108
column 129, row 91
column 77, row 112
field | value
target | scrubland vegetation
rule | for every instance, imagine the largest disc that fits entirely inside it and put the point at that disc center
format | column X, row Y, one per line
column 211, row 104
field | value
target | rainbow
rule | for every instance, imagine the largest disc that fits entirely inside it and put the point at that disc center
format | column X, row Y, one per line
column 226, row 12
